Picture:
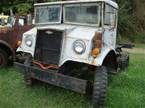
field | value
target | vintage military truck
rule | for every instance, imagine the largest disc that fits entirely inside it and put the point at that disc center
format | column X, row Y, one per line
column 73, row 45
column 11, row 36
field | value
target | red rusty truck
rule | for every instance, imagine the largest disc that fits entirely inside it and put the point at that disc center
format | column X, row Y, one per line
column 10, row 37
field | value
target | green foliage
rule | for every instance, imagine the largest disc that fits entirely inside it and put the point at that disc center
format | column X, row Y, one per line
column 139, row 37
column 125, row 18
column 23, row 8
column 132, row 20
column 18, row 6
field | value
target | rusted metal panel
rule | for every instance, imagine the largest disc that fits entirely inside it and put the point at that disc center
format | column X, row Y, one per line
column 54, row 78
column 13, row 34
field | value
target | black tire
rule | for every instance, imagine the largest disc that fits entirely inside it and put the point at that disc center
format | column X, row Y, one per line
column 100, row 87
column 3, row 58
column 125, row 57
column 123, row 60
column 27, row 74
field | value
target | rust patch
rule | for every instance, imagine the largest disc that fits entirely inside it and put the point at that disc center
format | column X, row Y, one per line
column 97, row 40
column 12, row 35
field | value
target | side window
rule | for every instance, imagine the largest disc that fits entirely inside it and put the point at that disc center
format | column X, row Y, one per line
column 110, row 16
column 21, row 22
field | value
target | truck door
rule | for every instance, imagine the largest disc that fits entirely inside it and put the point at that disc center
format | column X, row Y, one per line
column 110, row 26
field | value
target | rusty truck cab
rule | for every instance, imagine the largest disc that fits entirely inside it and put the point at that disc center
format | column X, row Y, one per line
column 10, row 37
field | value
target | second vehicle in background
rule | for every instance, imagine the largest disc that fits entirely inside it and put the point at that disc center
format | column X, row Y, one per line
column 11, row 35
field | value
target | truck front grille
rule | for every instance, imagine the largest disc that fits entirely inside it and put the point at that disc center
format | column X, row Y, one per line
column 48, row 46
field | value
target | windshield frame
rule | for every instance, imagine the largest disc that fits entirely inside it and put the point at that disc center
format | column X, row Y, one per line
column 83, row 4
column 48, row 23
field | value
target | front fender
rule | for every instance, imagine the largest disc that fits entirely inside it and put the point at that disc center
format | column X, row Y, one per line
column 23, row 47
column 101, row 57
column 7, row 47
column 91, row 61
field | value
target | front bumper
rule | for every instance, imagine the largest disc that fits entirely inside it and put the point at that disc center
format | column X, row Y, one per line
column 55, row 78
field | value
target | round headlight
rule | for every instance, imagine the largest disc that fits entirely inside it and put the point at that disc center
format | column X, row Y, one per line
column 79, row 46
column 29, row 40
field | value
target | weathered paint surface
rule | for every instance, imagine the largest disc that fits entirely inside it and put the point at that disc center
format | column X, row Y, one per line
column 23, row 47
column 75, row 32
column 71, row 34
column 11, row 35
column 54, row 78
column 64, row 81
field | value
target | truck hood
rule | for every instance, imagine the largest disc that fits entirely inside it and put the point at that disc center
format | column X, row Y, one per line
column 73, row 31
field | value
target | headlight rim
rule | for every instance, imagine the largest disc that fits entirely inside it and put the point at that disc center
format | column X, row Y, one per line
column 81, row 43
column 28, row 38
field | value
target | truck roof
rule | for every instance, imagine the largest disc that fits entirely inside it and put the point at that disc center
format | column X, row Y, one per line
column 110, row 2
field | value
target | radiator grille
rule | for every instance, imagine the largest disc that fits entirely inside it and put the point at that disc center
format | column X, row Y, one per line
column 48, row 46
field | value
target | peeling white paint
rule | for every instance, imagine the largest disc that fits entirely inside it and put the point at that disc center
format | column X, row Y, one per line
column 76, row 32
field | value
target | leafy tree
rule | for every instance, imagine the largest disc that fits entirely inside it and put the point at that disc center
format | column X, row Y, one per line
column 23, row 8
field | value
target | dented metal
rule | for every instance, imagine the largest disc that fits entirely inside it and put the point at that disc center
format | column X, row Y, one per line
column 73, row 32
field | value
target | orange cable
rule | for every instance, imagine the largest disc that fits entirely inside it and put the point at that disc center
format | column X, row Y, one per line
column 45, row 67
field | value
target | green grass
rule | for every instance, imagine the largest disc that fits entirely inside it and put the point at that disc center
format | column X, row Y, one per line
column 126, row 90
column 140, row 45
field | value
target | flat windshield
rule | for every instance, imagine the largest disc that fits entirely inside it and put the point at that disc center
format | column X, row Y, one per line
column 48, row 14
column 11, row 21
column 82, row 14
